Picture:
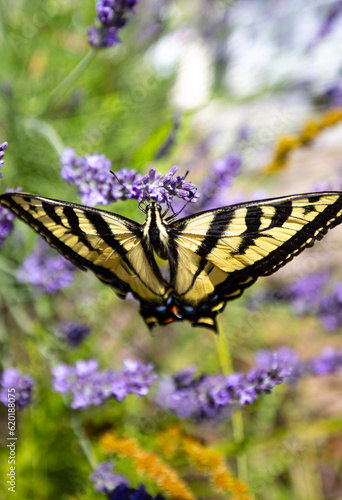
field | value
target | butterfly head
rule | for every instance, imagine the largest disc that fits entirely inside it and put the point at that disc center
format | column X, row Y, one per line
column 154, row 206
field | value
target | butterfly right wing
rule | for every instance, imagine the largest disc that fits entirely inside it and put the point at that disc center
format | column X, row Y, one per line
column 219, row 253
column 108, row 244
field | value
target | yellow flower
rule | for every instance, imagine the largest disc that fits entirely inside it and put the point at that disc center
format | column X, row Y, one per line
column 284, row 146
column 332, row 117
column 309, row 131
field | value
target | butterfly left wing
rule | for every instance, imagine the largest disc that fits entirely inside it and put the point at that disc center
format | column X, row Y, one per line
column 217, row 254
column 106, row 243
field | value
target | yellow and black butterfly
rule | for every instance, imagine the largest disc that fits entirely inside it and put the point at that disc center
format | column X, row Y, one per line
column 213, row 256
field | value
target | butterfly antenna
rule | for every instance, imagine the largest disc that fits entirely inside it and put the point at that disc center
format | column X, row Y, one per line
column 120, row 181
column 142, row 207
column 174, row 214
column 169, row 207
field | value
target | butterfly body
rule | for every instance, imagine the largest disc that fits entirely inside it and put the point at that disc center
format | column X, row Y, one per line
column 212, row 256
column 155, row 231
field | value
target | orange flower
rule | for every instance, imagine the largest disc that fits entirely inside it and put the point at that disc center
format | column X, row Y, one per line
column 169, row 441
column 150, row 464
column 207, row 461
column 213, row 464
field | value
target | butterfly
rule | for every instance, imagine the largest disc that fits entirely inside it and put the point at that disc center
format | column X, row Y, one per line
column 213, row 256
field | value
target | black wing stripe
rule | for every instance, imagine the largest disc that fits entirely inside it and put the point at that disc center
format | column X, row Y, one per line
column 218, row 226
column 74, row 223
column 101, row 227
column 51, row 212
column 216, row 229
column 72, row 219
column 282, row 212
column 253, row 219
column 253, row 223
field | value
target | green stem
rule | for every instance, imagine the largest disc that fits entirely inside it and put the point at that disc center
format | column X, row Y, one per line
column 226, row 363
column 223, row 352
column 84, row 442
column 68, row 81
column 46, row 130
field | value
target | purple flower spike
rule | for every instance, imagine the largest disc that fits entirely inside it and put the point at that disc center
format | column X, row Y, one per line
column 3, row 146
column 111, row 17
column 163, row 189
column 6, row 220
column 215, row 396
column 105, row 479
column 89, row 386
column 328, row 362
column 15, row 388
column 219, row 179
column 45, row 270
column 75, row 333
column 96, row 185
column 334, row 94
column 123, row 492
column 328, row 23
column 308, row 295
column 6, row 224
column 138, row 377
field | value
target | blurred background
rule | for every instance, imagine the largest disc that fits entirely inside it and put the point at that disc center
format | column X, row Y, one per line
column 190, row 84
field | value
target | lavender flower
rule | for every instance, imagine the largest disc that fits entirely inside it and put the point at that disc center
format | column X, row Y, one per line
column 6, row 217
column 329, row 309
column 327, row 363
column 305, row 293
column 123, row 492
column 163, row 188
column 89, row 386
column 328, row 23
column 334, row 94
column 96, row 185
column 308, row 295
column 91, row 174
column 6, row 221
column 46, row 270
column 170, row 140
column 244, row 133
column 22, row 385
column 75, row 333
column 111, row 17
column 216, row 396
column 219, row 179
column 105, row 480
column 3, row 146
column 115, row 486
